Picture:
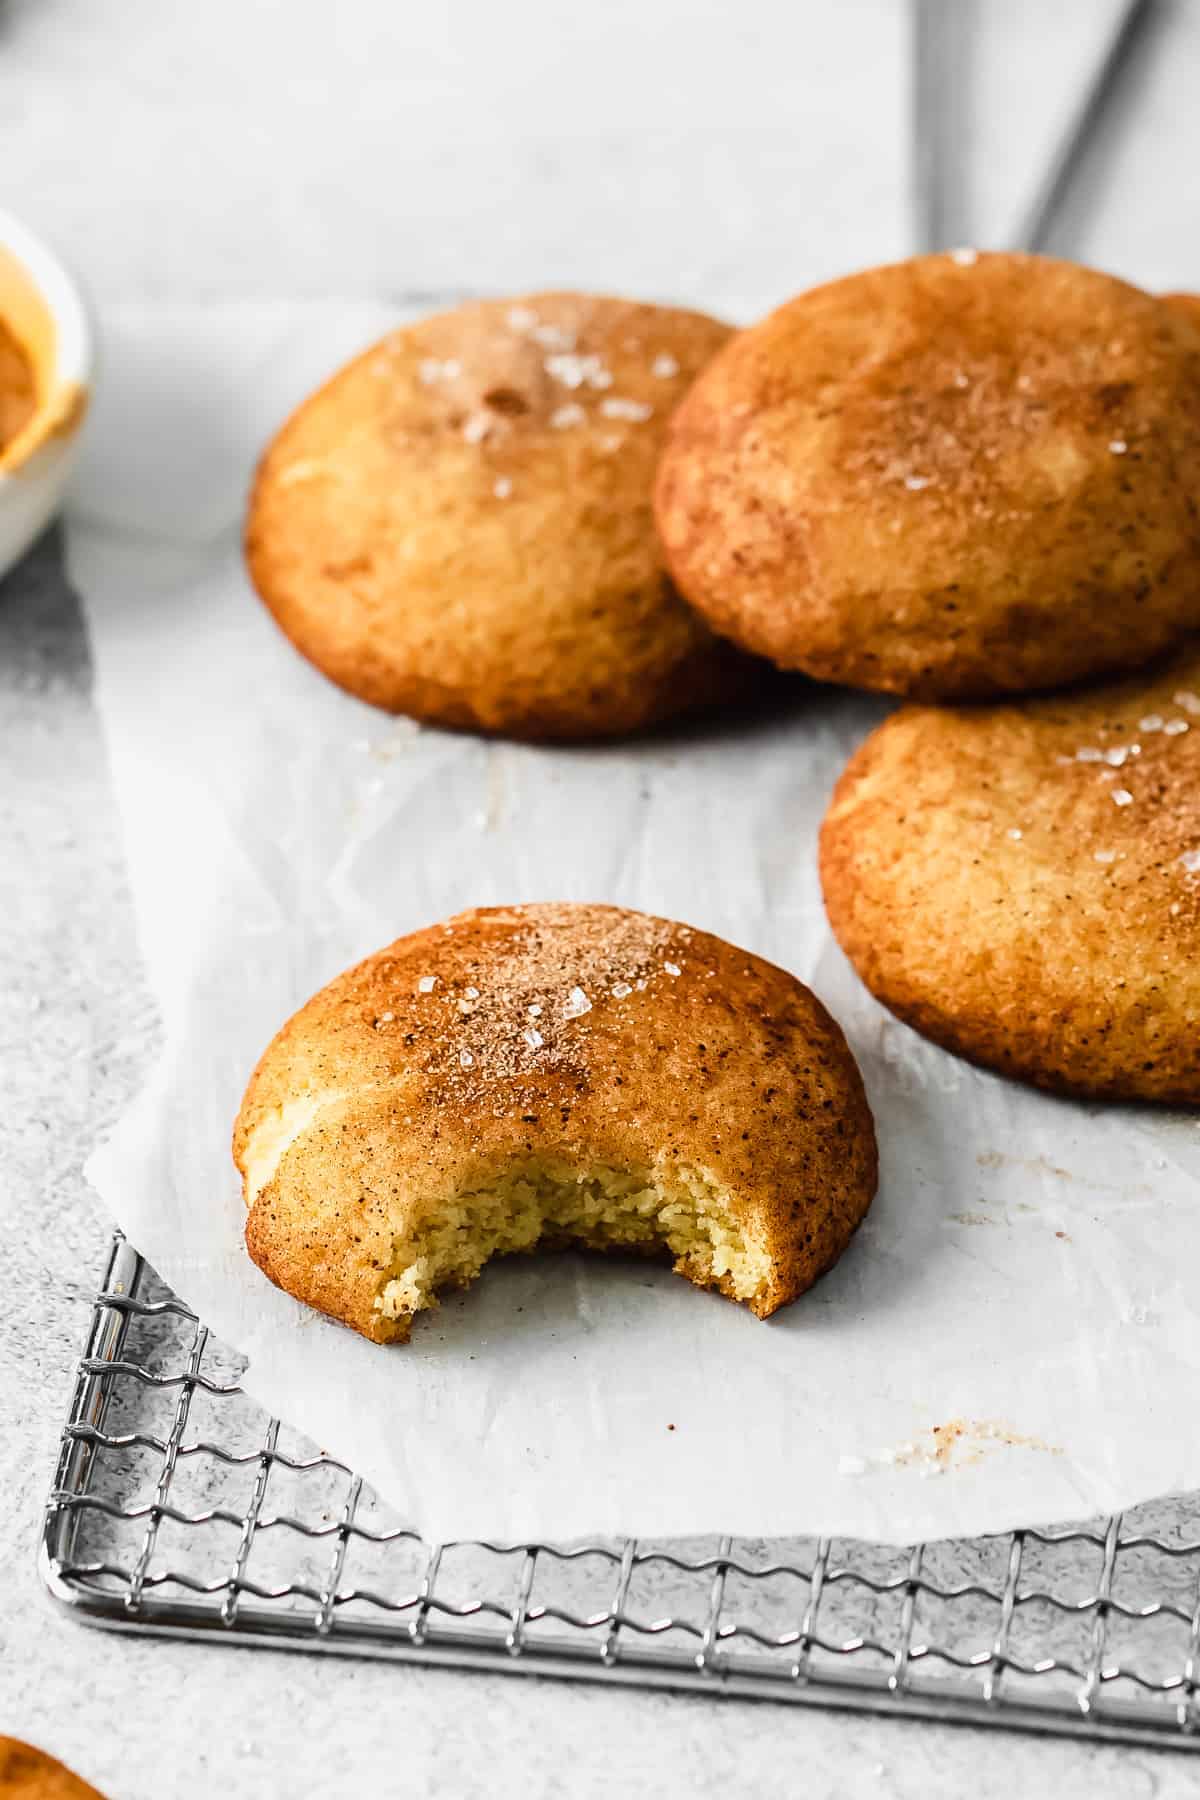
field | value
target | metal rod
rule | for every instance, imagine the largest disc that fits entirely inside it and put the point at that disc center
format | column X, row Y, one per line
column 934, row 27
column 1043, row 214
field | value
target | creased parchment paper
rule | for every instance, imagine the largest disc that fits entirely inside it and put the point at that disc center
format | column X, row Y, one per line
column 1026, row 1281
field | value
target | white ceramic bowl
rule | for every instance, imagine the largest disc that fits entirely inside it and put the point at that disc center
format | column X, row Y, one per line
column 43, row 308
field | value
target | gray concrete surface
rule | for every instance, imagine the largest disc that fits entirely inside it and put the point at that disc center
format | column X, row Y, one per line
column 294, row 147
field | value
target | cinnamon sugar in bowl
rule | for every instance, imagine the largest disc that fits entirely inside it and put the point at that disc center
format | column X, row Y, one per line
column 45, row 375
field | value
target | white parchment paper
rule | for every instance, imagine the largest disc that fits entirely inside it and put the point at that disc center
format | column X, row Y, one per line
column 1028, row 1274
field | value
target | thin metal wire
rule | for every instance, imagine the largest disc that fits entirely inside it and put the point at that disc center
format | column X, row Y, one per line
column 425, row 1602
column 808, row 1627
column 707, row 1659
column 1044, row 215
column 329, row 1596
column 1187, row 1707
column 1008, row 1602
column 266, row 1457
column 156, row 1512
column 1101, row 1605
column 515, row 1641
column 611, row 1648
column 904, row 1649
column 846, row 1639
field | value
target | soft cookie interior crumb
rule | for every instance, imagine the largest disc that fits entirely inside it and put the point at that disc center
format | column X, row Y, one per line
column 552, row 1201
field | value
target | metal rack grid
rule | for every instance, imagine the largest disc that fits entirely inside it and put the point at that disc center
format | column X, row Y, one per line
column 180, row 1507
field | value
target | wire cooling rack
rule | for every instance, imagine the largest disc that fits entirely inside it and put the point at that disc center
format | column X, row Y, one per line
column 180, row 1507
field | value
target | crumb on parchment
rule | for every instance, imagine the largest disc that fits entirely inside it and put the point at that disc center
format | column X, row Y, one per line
column 956, row 1444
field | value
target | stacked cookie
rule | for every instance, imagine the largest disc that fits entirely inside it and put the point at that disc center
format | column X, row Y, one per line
column 968, row 480
column 957, row 479
column 458, row 526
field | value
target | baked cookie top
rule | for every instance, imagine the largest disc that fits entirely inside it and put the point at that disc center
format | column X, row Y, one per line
column 962, row 476
column 459, row 526
column 1184, row 307
column 1022, row 883
column 552, row 1071
column 30, row 1774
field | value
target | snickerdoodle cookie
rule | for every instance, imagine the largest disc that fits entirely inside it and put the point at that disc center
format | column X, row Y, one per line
column 1022, row 883
column 957, row 477
column 552, row 1073
column 459, row 526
